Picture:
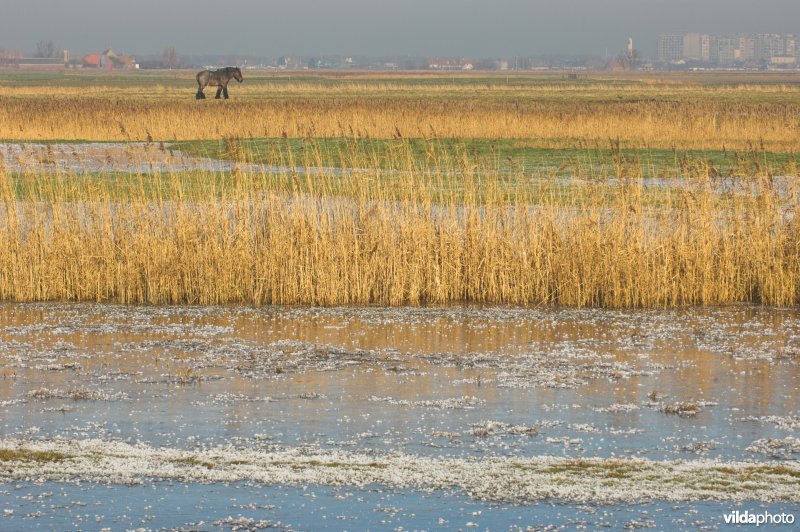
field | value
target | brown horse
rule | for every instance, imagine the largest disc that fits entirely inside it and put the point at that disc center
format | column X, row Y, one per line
column 217, row 78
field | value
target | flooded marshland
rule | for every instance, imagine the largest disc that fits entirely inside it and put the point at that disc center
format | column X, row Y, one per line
column 370, row 417
column 402, row 212
column 153, row 158
column 240, row 417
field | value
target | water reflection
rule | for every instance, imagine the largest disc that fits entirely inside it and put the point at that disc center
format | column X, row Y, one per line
column 393, row 378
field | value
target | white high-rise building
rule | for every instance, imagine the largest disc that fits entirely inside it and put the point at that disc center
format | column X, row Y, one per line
column 670, row 47
column 769, row 45
column 693, row 46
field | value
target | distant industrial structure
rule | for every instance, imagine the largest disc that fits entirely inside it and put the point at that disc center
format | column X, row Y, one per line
column 450, row 64
column 760, row 50
column 18, row 61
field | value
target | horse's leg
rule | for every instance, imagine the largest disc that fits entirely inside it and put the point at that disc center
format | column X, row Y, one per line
column 200, row 94
column 219, row 92
column 225, row 90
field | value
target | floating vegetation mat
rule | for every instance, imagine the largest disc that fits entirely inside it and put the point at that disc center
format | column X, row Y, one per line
column 498, row 479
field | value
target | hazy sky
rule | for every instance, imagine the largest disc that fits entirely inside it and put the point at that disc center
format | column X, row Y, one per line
column 376, row 27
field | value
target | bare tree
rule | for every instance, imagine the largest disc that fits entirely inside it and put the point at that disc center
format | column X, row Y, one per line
column 171, row 59
column 45, row 49
column 629, row 60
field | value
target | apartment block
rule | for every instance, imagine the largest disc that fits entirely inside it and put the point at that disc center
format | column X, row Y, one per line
column 670, row 47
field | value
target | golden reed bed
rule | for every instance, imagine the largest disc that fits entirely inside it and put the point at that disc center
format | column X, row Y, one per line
column 245, row 241
column 646, row 115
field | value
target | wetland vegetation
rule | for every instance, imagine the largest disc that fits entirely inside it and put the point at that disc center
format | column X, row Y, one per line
column 490, row 299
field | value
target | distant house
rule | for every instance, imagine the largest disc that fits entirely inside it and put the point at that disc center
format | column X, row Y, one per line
column 92, row 61
column 109, row 60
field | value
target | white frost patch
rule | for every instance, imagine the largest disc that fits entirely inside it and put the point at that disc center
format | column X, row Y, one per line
column 625, row 432
column 473, row 380
column 491, row 428
column 617, row 408
column 59, row 367
column 445, row 434
column 12, row 402
column 584, row 427
column 454, row 402
column 76, row 394
column 776, row 448
column 311, row 396
column 782, row 422
column 492, row 478
column 699, row 447
column 244, row 523
column 565, row 440
column 230, row 398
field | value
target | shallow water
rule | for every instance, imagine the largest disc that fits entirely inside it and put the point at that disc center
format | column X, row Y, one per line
column 152, row 158
column 122, row 157
column 463, row 382
column 201, row 507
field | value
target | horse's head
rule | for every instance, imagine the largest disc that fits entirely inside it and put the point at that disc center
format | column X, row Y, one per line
column 237, row 74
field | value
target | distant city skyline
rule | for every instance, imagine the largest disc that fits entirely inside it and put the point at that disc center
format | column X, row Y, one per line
column 469, row 28
column 728, row 50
